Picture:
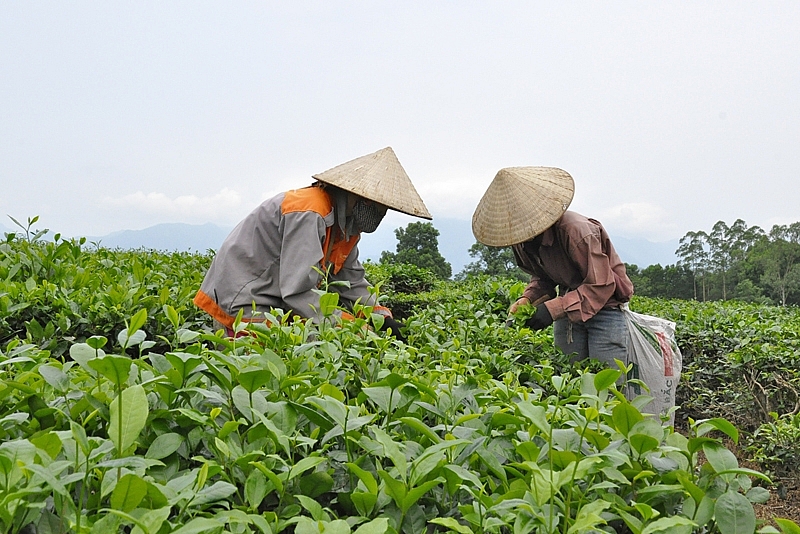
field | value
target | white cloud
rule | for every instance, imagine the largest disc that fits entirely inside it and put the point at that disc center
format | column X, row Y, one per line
column 456, row 199
column 640, row 219
column 225, row 207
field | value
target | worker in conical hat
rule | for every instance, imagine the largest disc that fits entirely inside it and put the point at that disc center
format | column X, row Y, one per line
column 578, row 281
column 277, row 256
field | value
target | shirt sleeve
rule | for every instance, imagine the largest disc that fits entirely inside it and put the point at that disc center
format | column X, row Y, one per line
column 595, row 290
column 301, row 252
column 539, row 286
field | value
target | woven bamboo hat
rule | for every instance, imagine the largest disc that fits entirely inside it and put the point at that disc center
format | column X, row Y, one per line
column 379, row 177
column 521, row 203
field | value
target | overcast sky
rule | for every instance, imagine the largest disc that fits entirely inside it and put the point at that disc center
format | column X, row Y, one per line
column 670, row 116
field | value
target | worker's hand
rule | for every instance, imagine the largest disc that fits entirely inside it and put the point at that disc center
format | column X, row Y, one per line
column 390, row 323
column 520, row 301
column 541, row 319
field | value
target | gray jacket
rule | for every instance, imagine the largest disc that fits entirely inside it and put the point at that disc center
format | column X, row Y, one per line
column 273, row 258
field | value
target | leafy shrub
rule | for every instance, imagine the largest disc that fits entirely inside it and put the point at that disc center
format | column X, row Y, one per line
column 53, row 293
column 298, row 428
column 123, row 411
column 775, row 444
column 400, row 277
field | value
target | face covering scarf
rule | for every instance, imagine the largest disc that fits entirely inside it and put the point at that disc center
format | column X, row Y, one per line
column 368, row 215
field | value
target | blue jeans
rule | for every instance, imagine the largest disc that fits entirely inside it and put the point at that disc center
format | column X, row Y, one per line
column 604, row 337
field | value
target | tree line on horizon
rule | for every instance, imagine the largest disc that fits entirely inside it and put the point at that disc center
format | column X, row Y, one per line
column 729, row 262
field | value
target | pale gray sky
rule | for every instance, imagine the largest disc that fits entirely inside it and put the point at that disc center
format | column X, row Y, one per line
column 669, row 115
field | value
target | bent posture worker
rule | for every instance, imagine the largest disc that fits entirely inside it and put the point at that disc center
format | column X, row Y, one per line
column 277, row 256
column 578, row 281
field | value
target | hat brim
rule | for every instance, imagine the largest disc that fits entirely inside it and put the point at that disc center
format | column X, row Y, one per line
column 521, row 203
column 378, row 177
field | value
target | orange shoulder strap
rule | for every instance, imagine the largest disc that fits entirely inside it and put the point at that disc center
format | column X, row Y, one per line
column 307, row 199
column 317, row 200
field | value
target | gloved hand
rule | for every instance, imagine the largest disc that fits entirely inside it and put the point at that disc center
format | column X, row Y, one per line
column 519, row 302
column 541, row 319
column 388, row 323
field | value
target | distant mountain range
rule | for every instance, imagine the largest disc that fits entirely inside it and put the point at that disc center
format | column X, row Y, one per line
column 455, row 239
column 169, row 236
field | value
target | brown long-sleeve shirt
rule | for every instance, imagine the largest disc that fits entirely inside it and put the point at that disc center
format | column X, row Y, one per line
column 575, row 255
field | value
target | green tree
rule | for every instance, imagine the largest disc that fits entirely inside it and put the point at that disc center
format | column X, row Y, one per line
column 492, row 261
column 693, row 254
column 671, row 282
column 720, row 252
column 781, row 262
column 728, row 247
column 418, row 244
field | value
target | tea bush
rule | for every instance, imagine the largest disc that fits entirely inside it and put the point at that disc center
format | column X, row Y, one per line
column 741, row 362
column 124, row 411
column 53, row 293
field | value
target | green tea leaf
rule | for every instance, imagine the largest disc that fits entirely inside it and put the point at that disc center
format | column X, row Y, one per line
column 418, row 492
column 718, row 423
column 48, row 442
column 720, row 458
column 315, row 484
column 395, row 488
column 255, row 488
column 216, row 492
column 114, row 368
column 96, row 342
column 624, row 417
column 271, row 476
column 55, row 377
column 152, row 520
column 328, row 303
column 199, row 525
column 787, row 526
column 183, row 362
column 138, row 320
column 164, row 445
column 384, row 397
column 365, row 477
column 452, row 524
column 734, row 514
column 303, row 465
column 379, row 525
column 134, row 408
column 589, row 517
column 757, row 495
column 668, row 525
column 364, row 502
column 642, row 443
column 605, row 378
column 48, row 477
column 536, row 415
column 128, row 493
column 251, row 380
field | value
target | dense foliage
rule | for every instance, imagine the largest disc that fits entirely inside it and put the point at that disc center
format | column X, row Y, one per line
column 418, row 245
column 492, row 261
column 121, row 410
column 729, row 262
column 741, row 362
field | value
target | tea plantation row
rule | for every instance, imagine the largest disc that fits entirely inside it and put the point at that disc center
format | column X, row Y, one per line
column 121, row 410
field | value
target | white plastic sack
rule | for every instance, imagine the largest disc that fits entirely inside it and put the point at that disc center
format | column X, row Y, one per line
column 656, row 360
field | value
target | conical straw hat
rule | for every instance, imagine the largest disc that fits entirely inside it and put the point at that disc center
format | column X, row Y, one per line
column 379, row 177
column 521, row 203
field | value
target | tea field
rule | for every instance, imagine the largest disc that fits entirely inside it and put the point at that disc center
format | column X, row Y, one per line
column 122, row 410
